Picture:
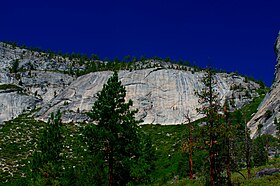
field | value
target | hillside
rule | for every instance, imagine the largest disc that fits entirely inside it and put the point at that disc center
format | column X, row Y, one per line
column 163, row 92
column 20, row 136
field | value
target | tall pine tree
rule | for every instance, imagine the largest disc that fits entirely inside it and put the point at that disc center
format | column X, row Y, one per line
column 208, row 98
column 115, row 137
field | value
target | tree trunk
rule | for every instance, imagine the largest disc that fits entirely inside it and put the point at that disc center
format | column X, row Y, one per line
column 249, row 168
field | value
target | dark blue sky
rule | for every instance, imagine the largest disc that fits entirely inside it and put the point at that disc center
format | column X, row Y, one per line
column 235, row 35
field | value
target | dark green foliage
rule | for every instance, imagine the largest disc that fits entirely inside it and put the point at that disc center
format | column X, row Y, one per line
column 167, row 59
column 9, row 86
column 212, row 131
column 199, row 155
column 268, row 114
column 277, row 123
column 259, row 151
column 166, row 141
column 115, row 137
column 46, row 161
column 15, row 66
column 262, row 84
column 94, row 57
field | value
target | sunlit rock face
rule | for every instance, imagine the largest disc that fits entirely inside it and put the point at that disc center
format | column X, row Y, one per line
column 162, row 96
column 269, row 109
column 38, row 80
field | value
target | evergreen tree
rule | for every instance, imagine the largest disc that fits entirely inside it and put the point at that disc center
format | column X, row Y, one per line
column 115, row 136
column 94, row 57
column 259, row 148
column 208, row 98
column 248, row 150
column 15, row 66
column 227, row 130
column 126, row 59
column 47, row 159
column 277, row 127
column 188, row 147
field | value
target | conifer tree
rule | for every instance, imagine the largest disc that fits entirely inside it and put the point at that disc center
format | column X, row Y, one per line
column 208, row 98
column 189, row 144
column 115, row 137
column 277, row 127
column 259, row 150
column 248, row 149
column 47, row 159
column 227, row 135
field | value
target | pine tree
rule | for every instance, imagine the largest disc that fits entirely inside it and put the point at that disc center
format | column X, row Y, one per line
column 227, row 135
column 259, row 152
column 189, row 144
column 208, row 98
column 15, row 66
column 115, row 136
column 248, row 150
column 277, row 127
column 46, row 160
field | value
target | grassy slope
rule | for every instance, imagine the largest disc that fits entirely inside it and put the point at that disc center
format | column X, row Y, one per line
column 18, row 140
column 266, row 180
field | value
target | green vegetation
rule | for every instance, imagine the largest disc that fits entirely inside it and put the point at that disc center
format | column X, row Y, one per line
column 9, row 86
column 47, row 159
column 115, row 139
column 264, row 181
column 15, row 66
column 17, row 142
column 115, row 150
column 21, row 136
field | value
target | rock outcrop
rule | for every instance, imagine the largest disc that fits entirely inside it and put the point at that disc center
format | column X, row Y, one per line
column 267, row 172
column 12, row 104
column 162, row 94
column 38, row 78
column 269, row 109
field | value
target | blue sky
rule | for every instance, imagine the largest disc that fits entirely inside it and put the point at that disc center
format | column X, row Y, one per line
column 235, row 35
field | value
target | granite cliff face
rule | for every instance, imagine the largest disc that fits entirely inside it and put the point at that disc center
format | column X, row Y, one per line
column 269, row 109
column 162, row 94
column 35, row 79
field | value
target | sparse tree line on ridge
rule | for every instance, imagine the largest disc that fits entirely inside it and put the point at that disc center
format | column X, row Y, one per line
column 94, row 63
